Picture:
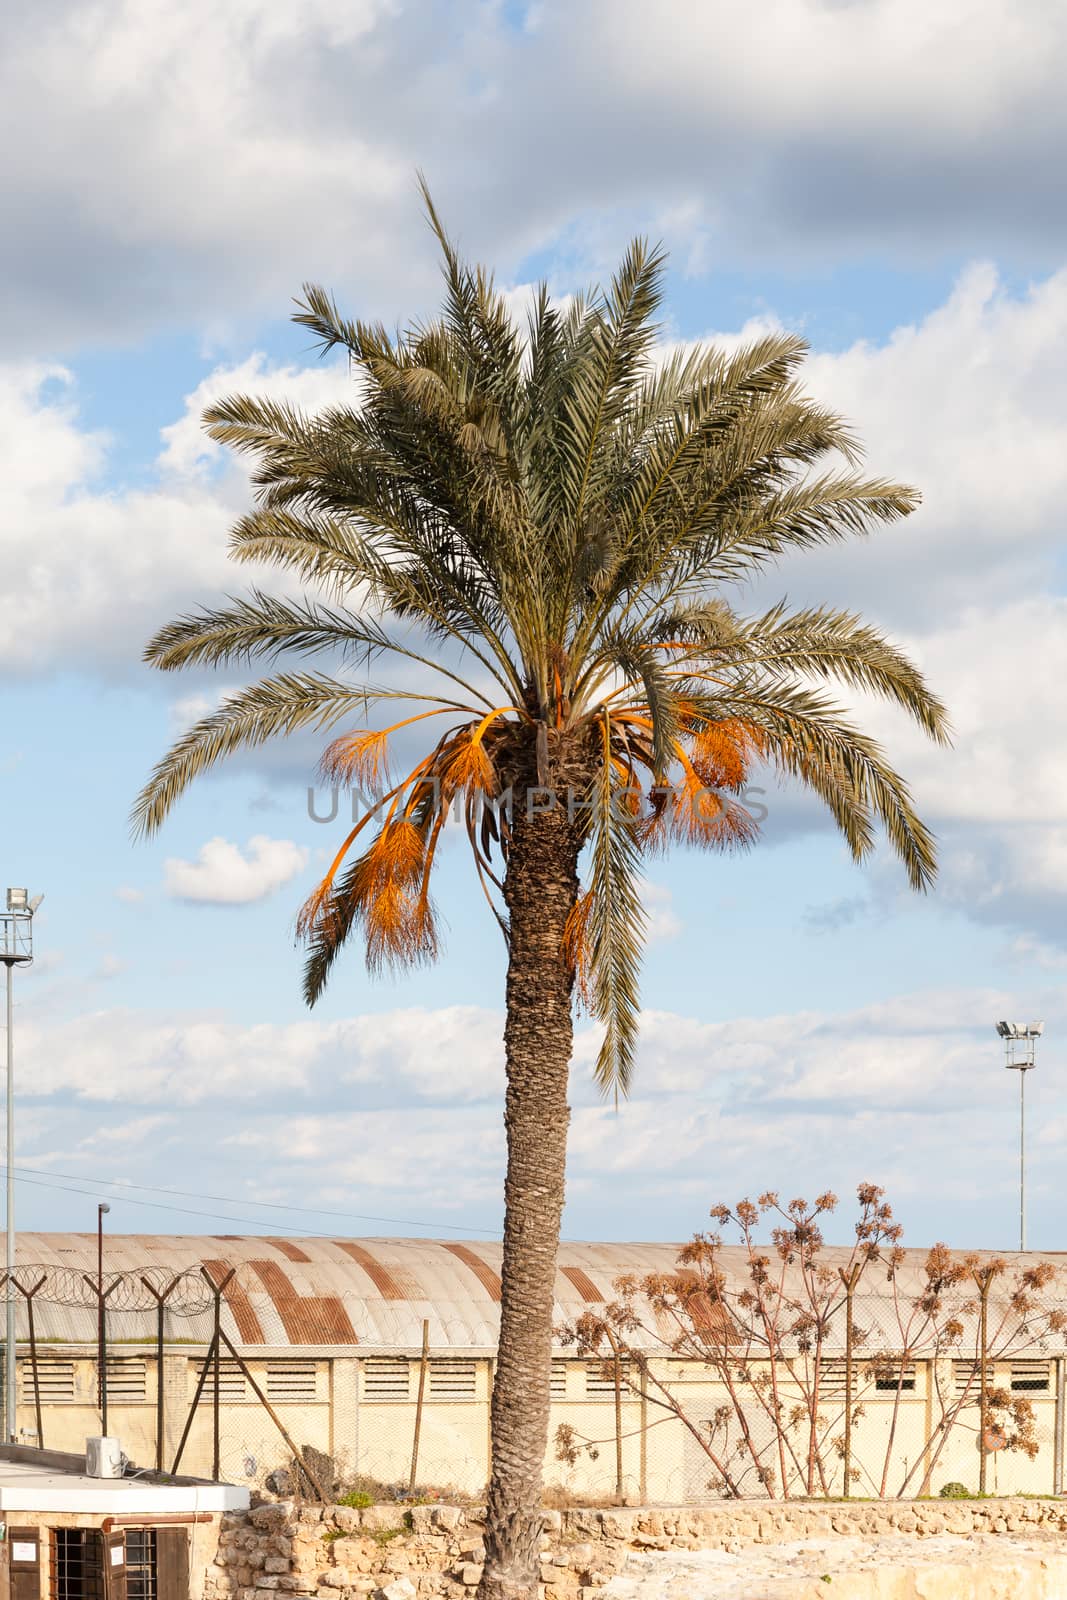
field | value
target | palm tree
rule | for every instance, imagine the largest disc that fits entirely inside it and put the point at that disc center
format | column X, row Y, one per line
column 534, row 532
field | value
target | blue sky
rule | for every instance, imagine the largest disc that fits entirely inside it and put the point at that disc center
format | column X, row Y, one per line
column 877, row 175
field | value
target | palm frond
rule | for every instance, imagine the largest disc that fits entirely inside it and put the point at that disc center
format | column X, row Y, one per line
column 615, row 925
column 266, row 710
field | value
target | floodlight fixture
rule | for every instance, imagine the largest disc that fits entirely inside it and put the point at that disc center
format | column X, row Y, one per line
column 1020, row 1030
column 18, row 900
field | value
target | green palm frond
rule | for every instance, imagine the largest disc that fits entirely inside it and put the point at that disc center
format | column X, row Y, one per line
column 615, row 927
column 267, row 710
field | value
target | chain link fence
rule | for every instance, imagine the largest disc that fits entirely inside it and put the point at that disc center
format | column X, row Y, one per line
column 980, row 1404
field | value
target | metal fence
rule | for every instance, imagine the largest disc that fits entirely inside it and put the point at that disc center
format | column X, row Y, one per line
column 981, row 1405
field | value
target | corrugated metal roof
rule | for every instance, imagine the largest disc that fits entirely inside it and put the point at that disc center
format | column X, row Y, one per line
column 370, row 1294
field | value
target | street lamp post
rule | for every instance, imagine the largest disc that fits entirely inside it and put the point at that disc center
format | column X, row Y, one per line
column 1020, row 1040
column 16, row 950
column 101, row 1343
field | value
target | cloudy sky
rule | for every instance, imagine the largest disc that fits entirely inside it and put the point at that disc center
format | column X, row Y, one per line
column 881, row 175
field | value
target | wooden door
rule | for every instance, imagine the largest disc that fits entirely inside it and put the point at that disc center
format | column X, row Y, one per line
column 172, row 1564
column 115, row 1566
column 25, row 1563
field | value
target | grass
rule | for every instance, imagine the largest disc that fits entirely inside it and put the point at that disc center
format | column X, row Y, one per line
column 357, row 1500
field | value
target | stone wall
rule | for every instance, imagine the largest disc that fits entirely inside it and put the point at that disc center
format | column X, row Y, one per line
column 395, row 1552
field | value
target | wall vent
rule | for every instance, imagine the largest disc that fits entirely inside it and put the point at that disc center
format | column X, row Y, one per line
column 1030, row 1377
column 55, row 1379
column 890, row 1377
column 453, row 1380
column 600, row 1377
column 386, row 1378
column 127, row 1381
column 231, row 1381
column 967, row 1380
column 292, row 1382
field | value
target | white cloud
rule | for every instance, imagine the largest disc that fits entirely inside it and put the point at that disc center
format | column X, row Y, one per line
column 90, row 570
column 128, row 895
column 454, row 1053
column 223, row 875
column 224, row 154
column 412, row 1125
column 969, row 406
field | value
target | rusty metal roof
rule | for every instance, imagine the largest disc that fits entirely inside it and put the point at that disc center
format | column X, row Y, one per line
column 366, row 1295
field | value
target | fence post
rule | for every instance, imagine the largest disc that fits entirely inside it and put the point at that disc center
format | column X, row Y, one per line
column 643, row 1469
column 984, row 1279
column 102, row 1297
column 850, row 1280
column 216, row 1345
column 29, row 1294
column 1057, row 1431
column 418, row 1405
column 161, row 1300
column 619, row 1484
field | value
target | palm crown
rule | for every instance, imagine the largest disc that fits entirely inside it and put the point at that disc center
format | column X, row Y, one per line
column 541, row 525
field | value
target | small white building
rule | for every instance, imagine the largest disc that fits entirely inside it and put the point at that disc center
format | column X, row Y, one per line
column 71, row 1536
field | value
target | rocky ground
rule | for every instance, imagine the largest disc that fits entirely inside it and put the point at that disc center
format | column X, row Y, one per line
column 891, row 1567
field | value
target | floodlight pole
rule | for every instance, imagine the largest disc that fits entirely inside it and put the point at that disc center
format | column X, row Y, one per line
column 16, row 950
column 10, row 1391
column 1022, row 1159
column 1020, row 1041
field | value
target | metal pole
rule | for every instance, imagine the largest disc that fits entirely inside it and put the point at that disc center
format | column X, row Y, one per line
column 423, row 1364
column 1057, row 1447
column 12, row 1430
column 216, row 1391
column 985, row 1283
column 101, row 1343
column 1022, row 1159
column 161, row 1301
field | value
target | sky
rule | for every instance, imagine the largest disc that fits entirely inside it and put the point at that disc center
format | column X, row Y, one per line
column 881, row 176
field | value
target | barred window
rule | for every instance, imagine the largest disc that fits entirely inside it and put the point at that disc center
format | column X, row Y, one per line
column 453, row 1380
column 386, row 1378
column 292, row 1381
column 557, row 1387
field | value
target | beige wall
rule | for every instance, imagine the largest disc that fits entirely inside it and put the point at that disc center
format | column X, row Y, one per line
column 371, row 1436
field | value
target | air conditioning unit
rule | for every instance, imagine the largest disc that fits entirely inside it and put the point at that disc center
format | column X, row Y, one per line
column 103, row 1458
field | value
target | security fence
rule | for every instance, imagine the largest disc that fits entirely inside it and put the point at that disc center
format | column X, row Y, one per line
column 683, row 1390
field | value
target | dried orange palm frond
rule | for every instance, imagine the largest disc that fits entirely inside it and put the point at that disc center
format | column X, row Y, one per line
column 576, row 946
column 464, row 764
column 396, row 855
column 723, row 752
column 356, row 758
column 400, row 928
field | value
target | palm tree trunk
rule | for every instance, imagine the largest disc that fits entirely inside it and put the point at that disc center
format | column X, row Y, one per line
column 541, row 887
